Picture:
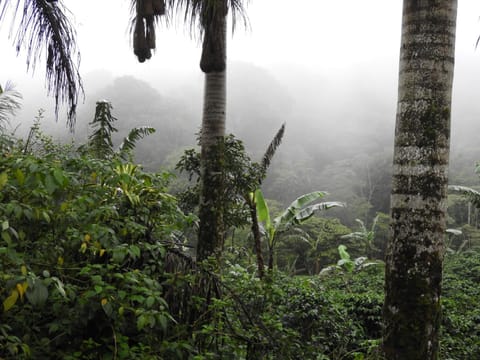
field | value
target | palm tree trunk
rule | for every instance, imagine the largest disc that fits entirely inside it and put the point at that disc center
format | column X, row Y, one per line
column 419, row 188
column 213, row 63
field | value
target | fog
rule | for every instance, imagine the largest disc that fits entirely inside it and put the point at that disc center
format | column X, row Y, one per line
column 327, row 68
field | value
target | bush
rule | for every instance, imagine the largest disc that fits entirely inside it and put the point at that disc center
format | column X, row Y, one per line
column 81, row 257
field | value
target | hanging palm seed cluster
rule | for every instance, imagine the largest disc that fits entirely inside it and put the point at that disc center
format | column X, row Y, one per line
column 144, row 32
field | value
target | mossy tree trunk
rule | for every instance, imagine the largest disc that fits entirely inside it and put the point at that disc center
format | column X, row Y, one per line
column 257, row 238
column 419, row 188
column 213, row 64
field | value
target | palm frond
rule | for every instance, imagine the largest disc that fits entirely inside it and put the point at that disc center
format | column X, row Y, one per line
column 9, row 103
column 44, row 28
column 272, row 148
column 197, row 13
column 144, row 16
column 470, row 194
column 198, row 16
column 129, row 142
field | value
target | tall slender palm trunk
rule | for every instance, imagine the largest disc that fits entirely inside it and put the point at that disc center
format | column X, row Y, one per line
column 211, row 229
column 419, row 188
column 213, row 64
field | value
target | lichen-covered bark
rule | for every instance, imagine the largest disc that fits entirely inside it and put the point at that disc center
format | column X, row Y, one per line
column 413, row 278
column 257, row 239
column 211, row 228
column 213, row 64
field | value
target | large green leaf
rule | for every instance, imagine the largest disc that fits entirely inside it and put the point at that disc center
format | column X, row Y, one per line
column 3, row 180
column 307, row 213
column 263, row 213
column 289, row 215
column 10, row 301
column 471, row 194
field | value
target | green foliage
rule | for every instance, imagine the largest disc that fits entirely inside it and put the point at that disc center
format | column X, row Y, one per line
column 461, row 315
column 365, row 236
column 93, row 265
column 297, row 212
column 100, row 141
column 470, row 194
column 311, row 245
column 82, row 246
column 131, row 139
column 241, row 178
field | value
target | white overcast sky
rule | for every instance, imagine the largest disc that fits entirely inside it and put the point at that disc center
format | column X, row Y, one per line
column 329, row 37
column 324, row 35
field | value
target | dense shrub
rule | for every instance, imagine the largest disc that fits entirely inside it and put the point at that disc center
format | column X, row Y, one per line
column 93, row 265
column 81, row 252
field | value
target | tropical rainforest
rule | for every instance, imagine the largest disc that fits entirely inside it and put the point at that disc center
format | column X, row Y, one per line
column 139, row 237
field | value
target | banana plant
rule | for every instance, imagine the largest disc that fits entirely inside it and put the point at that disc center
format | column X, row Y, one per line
column 348, row 265
column 470, row 194
column 365, row 236
column 297, row 212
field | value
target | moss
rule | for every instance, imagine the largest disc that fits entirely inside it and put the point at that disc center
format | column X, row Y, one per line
column 211, row 229
column 428, row 185
column 414, row 287
column 427, row 128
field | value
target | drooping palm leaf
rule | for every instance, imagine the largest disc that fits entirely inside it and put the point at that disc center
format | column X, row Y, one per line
column 199, row 16
column 472, row 195
column 137, row 133
column 272, row 148
column 44, row 28
column 196, row 13
column 9, row 103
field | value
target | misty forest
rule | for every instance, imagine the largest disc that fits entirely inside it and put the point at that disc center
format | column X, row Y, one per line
column 233, row 217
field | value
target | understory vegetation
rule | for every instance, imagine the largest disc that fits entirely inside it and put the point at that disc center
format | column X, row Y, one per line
column 96, row 262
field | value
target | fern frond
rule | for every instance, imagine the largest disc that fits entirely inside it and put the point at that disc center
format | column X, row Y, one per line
column 100, row 142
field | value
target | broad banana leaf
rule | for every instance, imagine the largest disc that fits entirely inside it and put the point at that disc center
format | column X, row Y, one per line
column 471, row 194
column 263, row 214
column 289, row 215
column 454, row 232
column 307, row 213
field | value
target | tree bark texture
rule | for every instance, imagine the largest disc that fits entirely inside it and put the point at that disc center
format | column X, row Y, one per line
column 257, row 239
column 413, row 277
column 211, row 229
